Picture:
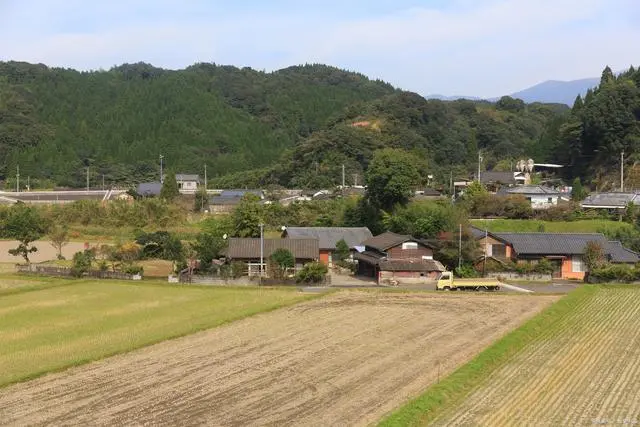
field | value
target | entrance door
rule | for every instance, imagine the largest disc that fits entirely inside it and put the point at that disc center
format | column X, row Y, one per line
column 557, row 268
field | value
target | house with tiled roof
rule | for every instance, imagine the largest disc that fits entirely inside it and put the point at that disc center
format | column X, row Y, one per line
column 564, row 250
column 398, row 258
column 328, row 237
column 253, row 250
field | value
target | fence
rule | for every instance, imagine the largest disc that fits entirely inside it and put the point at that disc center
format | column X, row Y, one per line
column 67, row 272
column 243, row 281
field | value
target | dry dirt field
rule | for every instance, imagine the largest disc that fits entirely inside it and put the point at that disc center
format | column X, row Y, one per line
column 583, row 371
column 46, row 252
column 344, row 359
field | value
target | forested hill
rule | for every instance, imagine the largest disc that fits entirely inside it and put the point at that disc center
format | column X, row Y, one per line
column 602, row 126
column 445, row 135
column 293, row 127
column 56, row 122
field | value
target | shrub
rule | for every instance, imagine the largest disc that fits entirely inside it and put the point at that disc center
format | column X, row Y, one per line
column 313, row 272
column 133, row 269
column 82, row 262
column 281, row 259
column 466, row 270
column 614, row 273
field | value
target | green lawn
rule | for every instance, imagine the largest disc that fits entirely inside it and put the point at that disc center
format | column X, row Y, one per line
column 532, row 225
column 58, row 327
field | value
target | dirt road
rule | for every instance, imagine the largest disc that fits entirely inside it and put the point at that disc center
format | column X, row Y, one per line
column 346, row 359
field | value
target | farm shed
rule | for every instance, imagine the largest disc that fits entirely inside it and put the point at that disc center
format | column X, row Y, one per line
column 400, row 258
column 247, row 250
column 328, row 237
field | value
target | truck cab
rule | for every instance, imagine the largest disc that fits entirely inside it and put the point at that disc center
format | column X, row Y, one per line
column 445, row 281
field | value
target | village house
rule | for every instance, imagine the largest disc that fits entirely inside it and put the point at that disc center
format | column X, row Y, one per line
column 248, row 250
column 563, row 250
column 227, row 200
column 611, row 202
column 398, row 259
column 328, row 237
column 149, row 189
column 540, row 197
column 187, row 183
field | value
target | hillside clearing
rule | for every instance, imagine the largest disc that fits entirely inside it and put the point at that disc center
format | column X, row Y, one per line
column 344, row 359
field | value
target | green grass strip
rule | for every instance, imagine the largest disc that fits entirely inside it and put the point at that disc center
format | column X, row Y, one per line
column 448, row 393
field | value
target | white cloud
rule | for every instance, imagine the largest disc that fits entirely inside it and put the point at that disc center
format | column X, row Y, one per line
column 472, row 48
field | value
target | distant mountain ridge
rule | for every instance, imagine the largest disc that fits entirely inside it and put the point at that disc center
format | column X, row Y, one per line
column 556, row 91
column 550, row 91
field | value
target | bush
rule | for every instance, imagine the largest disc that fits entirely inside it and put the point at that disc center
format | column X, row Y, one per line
column 82, row 262
column 614, row 273
column 133, row 269
column 466, row 271
column 313, row 272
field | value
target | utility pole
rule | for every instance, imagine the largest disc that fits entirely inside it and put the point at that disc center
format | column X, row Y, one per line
column 460, row 246
column 161, row 177
column 87, row 178
column 28, row 182
column 622, row 171
column 205, row 177
column 484, row 262
column 453, row 190
column 17, row 178
column 102, row 181
column 342, row 177
column 479, row 163
column 355, row 179
column 261, row 250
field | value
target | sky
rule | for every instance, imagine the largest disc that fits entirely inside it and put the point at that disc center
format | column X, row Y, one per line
column 479, row 48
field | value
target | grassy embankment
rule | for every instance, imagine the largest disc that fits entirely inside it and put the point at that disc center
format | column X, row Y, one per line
column 52, row 324
column 532, row 225
column 451, row 392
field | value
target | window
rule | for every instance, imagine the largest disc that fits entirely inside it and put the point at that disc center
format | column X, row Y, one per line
column 550, row 200
column 577, row 264
column 409, row 245
column 498, row 251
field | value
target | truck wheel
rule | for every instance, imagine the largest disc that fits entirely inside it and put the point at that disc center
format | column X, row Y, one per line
column 447, row 288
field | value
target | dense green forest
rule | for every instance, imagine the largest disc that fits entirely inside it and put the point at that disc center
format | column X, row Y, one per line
column 602, row 126
column 292, row 127
column 56, row 122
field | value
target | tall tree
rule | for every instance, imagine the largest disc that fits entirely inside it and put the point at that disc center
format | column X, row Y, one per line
column 391, row 178
column 169, row 189
column 24, row 224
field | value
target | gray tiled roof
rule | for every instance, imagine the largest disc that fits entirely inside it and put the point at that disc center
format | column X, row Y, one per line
column 620, row 254
column 610, row 200
column 551, row 243
column 419, row 265
column 399, row 265
column 149, row 189
column 388, row 240
column 249, row 248
column 240, row 193
column 329, row 236
column 530, row 189
column 493, row 177
column 187, row 177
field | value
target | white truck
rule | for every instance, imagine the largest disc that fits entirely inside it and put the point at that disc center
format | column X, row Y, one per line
column 446, row 282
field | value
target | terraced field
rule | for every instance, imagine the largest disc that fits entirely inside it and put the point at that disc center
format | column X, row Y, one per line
column 584, row 369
